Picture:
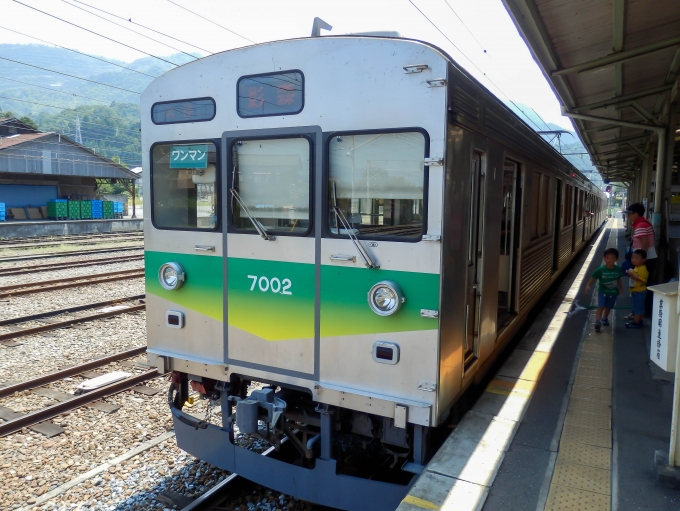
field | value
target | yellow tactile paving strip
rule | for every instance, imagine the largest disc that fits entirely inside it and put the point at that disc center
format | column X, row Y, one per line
column 581, row 480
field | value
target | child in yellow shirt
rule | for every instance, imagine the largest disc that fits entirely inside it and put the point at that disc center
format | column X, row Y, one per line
column 638, row 286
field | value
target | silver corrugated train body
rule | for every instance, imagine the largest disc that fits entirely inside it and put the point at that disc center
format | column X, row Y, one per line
column 356, row 223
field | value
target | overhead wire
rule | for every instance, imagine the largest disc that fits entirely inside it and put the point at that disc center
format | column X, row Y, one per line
column 59, row 108
column 129, row 29
column 211, row 21
column 487, row 53
column 54, row 90
column 70, row 76
column 26, row 157
column 95, row 33
column 143, row 26
column 466, row 27
column 78, row 52
column 471, row 62
column 38, row 141
column 10, row 152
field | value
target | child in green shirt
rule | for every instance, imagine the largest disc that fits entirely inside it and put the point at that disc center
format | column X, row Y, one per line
column 609, row 286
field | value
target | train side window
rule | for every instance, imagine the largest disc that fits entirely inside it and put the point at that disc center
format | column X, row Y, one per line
column 183, row 186
column 535, row 205
column 379, row 182
column 272, row 178
column 544, row 212
column 568, row 204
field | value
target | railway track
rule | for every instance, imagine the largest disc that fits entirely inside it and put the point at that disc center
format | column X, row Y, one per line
column 215, row 496
column 56, row 324
column 29, row 246
column 31, row 239
column 51, row 255
column 15, row 422
column 5, row 272
column 53, row 285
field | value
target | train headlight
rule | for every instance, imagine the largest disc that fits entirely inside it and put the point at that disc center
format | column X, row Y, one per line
column 385, row 298
column 171, row 276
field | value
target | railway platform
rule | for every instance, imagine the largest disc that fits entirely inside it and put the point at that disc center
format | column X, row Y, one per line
column 570, row 421
column 28, row 228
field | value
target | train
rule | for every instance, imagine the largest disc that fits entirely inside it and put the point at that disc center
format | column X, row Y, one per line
column 342, row 235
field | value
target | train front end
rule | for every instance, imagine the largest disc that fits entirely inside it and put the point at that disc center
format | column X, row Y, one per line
column 293, row 217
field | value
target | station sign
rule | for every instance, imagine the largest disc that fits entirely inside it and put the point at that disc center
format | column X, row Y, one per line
column 664, row 328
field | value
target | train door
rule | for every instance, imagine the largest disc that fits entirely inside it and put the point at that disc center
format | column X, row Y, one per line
column 474, row 259
column 270, row 267
column 557, row 224
column 575, row 208
column 509, row 243
column 379, row 274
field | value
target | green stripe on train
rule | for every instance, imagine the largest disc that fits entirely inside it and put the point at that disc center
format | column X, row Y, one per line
column 274, row 300
column 202, row 291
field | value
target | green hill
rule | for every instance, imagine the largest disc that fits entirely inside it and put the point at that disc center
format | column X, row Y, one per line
column 109, row 117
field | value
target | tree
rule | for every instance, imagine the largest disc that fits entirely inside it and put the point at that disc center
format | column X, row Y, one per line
column 27, row 120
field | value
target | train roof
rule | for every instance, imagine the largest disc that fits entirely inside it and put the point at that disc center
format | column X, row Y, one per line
column 569, row 168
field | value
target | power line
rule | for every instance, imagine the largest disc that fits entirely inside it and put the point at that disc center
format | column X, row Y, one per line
column 70, row 76
column 140, row 25
column 466, row 27
column 470, row 61
column 25, row 157
column 78, row 52
column 211, row 21
column 127, row 28
column 97, row 152
column 53, row 90
column 69, row 135
column 59, row 108
column 95, row 33
column 488, row 55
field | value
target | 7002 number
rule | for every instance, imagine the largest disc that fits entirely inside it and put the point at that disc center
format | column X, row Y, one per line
column 274, row 285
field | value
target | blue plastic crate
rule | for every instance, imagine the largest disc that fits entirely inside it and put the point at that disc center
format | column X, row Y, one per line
column 2, row 207
column 2, row 216
column 57, row 200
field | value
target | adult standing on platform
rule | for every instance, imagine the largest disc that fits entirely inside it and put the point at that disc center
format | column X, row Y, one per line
column 643, row 238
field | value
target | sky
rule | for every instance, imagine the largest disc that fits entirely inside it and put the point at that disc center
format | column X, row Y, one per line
column 481, row 36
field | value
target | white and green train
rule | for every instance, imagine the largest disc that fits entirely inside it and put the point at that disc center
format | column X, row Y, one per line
column 357, row 224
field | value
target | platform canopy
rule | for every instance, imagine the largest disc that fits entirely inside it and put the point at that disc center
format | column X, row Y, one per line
column 614, row 67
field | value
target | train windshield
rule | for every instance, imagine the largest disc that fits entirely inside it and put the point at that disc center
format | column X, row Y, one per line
column 271, row 176
column 378, row 182
column 183, row 181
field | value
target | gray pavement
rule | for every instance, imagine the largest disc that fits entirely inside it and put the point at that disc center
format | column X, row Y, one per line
column 641, row 419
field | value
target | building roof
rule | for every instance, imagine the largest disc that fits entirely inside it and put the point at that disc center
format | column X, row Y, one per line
column 16, row 123
column 614, row 66
column 55, row 154
column 12, row 140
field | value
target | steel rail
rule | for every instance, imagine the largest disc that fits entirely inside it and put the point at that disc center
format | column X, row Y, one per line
column 34, row 287
column 26, row 270
column 29, row 246
column 65, row 279
column 51, row 255
column 31, row 418
column 70, row 371
column 51, row 237
column 68, row 322
column 214, row 496
column 77, row 308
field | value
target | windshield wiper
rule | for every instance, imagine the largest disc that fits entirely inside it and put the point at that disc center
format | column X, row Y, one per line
column 261, row 229
column 340, row 216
